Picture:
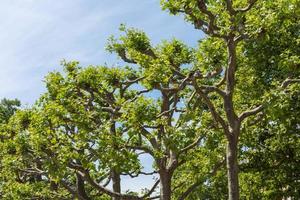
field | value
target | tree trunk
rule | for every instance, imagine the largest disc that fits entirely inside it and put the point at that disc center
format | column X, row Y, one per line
column 80, row 187
column 165, row 185
column 116, row 183
column 232, row 169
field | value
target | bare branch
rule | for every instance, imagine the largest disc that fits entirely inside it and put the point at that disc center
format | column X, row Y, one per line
column 146, row 134
column 208, row 27
column 249, row 113
column 289, row 81
column 137, row 95
column 195, row 143
column 137, row 173
column 178, row 73
column 148, row 194
column 179, row 88
column 34, row 171
column 128, row 83
column 107, row 181
column 149, row 126
column 203, row 8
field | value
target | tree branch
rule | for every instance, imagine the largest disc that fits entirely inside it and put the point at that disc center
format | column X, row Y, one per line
column 249, row 113
column 217, row 117
column 123, row 56
column 148, row 194
column 72, row 191
column 141, row 148
column 210, row 88
column 195, row 143
column 198, row 183
column 230, row 8
column 289, row 81
column 87, row 177
column 248, row 7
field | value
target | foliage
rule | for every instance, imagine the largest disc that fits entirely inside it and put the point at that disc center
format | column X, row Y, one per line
column 233, row 99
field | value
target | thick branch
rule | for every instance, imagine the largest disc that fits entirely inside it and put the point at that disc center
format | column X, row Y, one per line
column 230, row 8
column 128, row 83
column 146, row 134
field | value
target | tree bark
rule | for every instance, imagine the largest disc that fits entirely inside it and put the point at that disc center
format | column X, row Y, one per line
column 80, row 187
column 232, row 168
column 233, row 130
column 165, row 185
column 116, row 183
column 115, row 175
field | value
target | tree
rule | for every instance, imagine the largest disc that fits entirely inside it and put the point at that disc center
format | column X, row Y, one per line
column 92, row 124
column 8, row 108
column 69, row 134
column 187, row 108
column 230, row 24
column 165, row 132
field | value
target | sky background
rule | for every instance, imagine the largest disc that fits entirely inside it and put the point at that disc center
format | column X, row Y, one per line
column 35, row 35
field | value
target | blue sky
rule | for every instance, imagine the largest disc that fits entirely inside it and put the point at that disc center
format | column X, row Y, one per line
column 37, row 34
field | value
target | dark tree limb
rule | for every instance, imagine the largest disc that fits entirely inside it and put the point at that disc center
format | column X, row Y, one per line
column 209, row 88
column 289, row 81
column 123, row 56
column 148, row 194
column 230, row 8
column 192, row 145
column 249, row 113
column 251, row 3
column 72, row 191
column 217, row 117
